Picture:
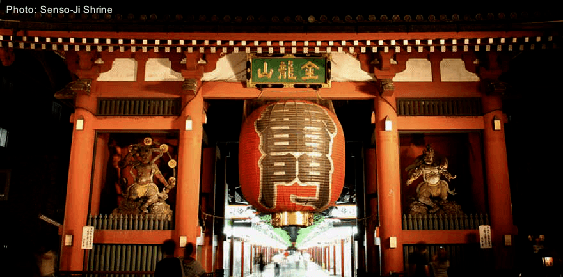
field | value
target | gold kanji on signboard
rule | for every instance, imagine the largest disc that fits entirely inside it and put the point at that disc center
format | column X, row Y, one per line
column 288, row 71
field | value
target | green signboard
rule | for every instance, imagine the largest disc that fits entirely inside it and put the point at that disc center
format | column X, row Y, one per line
column 288, row 71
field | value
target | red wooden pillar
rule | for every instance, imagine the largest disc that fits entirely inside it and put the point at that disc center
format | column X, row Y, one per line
column 476, row 169
column 328, row 257
column 371, row 201
column 242, row 258
column 388, row 175
column 325, row 258
column 387, row 154
column 500, row 205
column 315, row 258
column 100, row 166
column 81, row 154
column 342, row 257
column 78, row 188
column 334, row 259
column 232, row 254
column 189, row 152
column 218, row 256
column 319, row 256
column 251, row 257
column 205, row 248
column 313, row 253
column 189, row 163
column 207, row 179
column 322, row 256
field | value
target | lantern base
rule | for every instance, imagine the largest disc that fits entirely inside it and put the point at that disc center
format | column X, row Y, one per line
column 302, row 219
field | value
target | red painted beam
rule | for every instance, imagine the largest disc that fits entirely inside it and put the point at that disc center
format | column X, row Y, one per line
column 132, row 236
column 338, row 90
column 421, row 123
column 136, row 123
column 440, row 237
column 137, row 89
column 235, row 90
column 437, row 89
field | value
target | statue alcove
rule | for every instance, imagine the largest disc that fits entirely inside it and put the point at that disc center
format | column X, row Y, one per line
column 464, row 160
column 112, row 176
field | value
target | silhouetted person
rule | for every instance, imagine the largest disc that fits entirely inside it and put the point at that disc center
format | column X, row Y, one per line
column 169, row 266
column 192, row 268
column 277, row 269
column 261, row 263
column 418, row 262
column 46, row 260
column 440, row 264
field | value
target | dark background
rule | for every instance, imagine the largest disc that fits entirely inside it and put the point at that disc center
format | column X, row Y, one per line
column 40, row 137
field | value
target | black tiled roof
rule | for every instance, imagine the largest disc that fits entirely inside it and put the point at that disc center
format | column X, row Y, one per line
column 168, row 20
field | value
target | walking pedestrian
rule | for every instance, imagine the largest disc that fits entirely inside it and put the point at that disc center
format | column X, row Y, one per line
column 418, row 262
column 440, row 264
column 192, row 268
column 169, row 266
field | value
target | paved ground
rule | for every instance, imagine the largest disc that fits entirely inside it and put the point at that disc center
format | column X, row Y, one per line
column 291, row 270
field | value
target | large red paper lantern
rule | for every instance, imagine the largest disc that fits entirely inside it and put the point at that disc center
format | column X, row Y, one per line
column 291, row 160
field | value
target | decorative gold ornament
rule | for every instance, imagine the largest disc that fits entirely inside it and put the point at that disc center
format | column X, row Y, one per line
column 164, row 147
column 147, row 141
column 172, row 163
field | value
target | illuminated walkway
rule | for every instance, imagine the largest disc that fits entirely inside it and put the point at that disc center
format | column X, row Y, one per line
column 287, row 270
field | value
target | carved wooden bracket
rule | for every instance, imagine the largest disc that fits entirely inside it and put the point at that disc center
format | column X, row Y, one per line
column 211, row 61
column 190, row 85
column 81, row 85
column 366, row 61
column 388, row 64
column 192, row 72
column 386, row 87
column 85, row 66
column 492, row 65
column 490, row 69
column 469, row 61
column 193, row 65
column 493, row 87
column 73, row 88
